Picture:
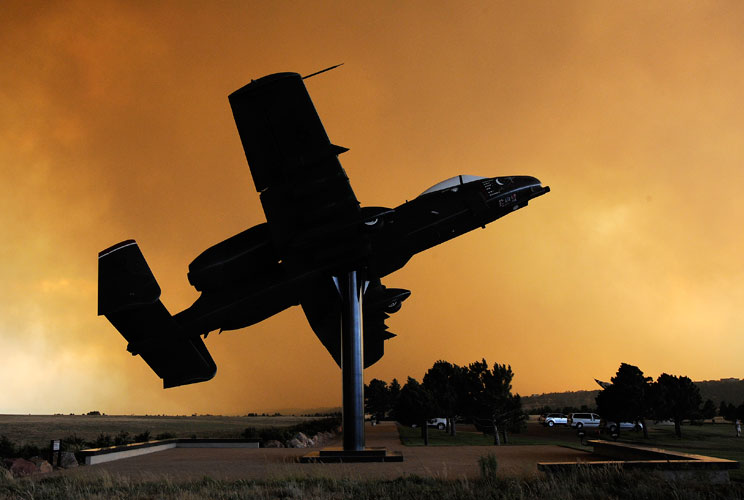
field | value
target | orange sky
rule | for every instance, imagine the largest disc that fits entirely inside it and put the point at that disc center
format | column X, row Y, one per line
column 115, row 124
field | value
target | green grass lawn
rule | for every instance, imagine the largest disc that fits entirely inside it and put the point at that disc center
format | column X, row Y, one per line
column 469, row 437
column 715, row 440
column 412, row 437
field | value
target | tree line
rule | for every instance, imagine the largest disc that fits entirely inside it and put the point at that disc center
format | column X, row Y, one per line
column 476, row 392
column 633, row 397
column 482, row 394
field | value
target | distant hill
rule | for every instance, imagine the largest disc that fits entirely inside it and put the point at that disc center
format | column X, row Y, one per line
column 308, row 412
column 730, row 390
column 560, row 400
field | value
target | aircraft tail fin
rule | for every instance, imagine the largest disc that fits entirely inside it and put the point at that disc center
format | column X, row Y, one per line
column 129, row 297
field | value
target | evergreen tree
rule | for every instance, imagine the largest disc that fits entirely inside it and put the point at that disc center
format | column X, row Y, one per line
column 377, row 401
column 415, row 406
column 445, row 382
column 727, row 411
column 675, row 398
column 709, row 409
column 488, row 398
column 627, row 399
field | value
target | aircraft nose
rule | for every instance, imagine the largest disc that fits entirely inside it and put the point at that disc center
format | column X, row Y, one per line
column 526, row 181
column 532, row 183
column 518, row 182
column 522, row 183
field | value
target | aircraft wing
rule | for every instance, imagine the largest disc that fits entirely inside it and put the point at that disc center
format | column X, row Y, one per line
column 322, row 306
column 305, row 192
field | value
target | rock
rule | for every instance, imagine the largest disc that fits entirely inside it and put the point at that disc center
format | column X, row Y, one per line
column 67, row 460
column 21, row 467
column 323, row 437
column 5, row 475
column 42, row 465
column 302, row 438
column 273, row 443
column 295, row 443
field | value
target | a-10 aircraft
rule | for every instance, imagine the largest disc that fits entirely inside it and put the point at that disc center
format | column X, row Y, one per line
column 315, row 230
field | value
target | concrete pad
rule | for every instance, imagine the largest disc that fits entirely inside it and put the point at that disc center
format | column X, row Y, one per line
column 446, row 462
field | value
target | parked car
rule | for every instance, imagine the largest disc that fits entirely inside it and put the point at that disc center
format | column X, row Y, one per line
column 580, row 420
column 612, row 426
column 551, row 419
column 439, row 423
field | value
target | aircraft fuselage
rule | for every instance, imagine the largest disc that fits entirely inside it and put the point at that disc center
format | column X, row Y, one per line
column 244, row 281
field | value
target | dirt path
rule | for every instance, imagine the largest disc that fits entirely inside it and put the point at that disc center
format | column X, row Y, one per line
column 269, row 463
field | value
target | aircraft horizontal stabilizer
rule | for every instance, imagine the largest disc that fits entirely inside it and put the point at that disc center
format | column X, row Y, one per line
column 129, row 297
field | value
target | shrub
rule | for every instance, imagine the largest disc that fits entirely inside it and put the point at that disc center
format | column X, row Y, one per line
column 309, row 428
column 73, row 443
column 122, row 438
column 103, row 441
column 30, row 450
column 142, row 438
column 250, row 433
column 488, row 465
column 7, row 448
column 315, row 426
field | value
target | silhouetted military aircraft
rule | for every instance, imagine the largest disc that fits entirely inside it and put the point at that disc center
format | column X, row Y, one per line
column 314, row 230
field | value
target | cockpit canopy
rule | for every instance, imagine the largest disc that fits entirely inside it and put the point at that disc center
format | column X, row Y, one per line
column 452, row 182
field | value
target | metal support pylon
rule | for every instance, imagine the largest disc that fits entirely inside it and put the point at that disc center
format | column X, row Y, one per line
column 351, row 290
column 352, row 358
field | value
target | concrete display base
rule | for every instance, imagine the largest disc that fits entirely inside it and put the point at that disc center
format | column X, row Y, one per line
column 333, row 455
column 100, row 455
column 625, row 456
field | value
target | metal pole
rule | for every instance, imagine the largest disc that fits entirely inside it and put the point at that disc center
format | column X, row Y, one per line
column 351, row 361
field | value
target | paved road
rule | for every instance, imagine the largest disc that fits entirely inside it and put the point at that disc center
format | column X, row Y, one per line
column 448, row 462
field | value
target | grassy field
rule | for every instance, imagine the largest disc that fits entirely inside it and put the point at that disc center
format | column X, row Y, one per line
column 583, row 485
column 39, row 430
column 715, row 440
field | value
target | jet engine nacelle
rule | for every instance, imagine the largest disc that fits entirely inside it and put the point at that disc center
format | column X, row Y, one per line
column 373, row 218
column 246, row 256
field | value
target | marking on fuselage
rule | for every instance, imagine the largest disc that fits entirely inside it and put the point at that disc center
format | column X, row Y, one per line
column 491, row 190
column 507, row 199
